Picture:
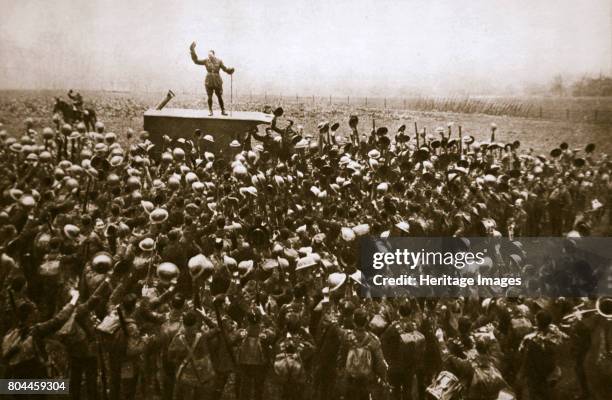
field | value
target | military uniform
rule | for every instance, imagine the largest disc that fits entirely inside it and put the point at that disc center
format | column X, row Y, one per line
column 77, row 100
column 213, row 82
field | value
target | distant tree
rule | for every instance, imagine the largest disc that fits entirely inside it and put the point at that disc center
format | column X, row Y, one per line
column 557, row 87
column 601, row 86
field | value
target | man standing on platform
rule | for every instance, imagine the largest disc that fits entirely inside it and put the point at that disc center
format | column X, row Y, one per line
column 213, row 82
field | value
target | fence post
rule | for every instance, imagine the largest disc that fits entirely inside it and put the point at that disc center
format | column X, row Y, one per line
column 385, row 106
column 366, row 101
column 348, row 99
column 265, row 97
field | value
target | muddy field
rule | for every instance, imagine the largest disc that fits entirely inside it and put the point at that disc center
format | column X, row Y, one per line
column 122, row 110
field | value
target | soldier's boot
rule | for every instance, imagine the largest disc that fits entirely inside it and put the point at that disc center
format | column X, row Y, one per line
column 210, row 113
column 221, row 104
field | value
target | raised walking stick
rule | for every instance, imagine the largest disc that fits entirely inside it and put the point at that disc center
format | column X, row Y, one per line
column 416, row 133
column 231, row 93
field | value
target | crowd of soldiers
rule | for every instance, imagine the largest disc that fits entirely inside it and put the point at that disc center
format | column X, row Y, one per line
column 181, row 270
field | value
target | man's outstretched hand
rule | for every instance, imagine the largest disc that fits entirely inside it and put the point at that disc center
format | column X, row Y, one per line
column 74, row 296
column 193, row 46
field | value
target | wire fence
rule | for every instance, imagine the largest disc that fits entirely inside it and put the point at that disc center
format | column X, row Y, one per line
column 591, row 110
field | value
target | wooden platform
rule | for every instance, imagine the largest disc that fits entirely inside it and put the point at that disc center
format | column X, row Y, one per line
column 182, row 122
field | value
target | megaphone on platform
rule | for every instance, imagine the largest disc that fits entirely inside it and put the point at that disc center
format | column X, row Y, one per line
column 169, row 96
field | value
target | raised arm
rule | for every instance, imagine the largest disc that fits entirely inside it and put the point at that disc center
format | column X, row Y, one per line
column 194, row 56
column 49, row 326
column 99, row 295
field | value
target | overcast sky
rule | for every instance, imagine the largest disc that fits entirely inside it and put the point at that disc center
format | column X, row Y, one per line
column 304, row 46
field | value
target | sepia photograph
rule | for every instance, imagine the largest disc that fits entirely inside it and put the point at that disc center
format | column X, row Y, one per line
column 296, row 200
